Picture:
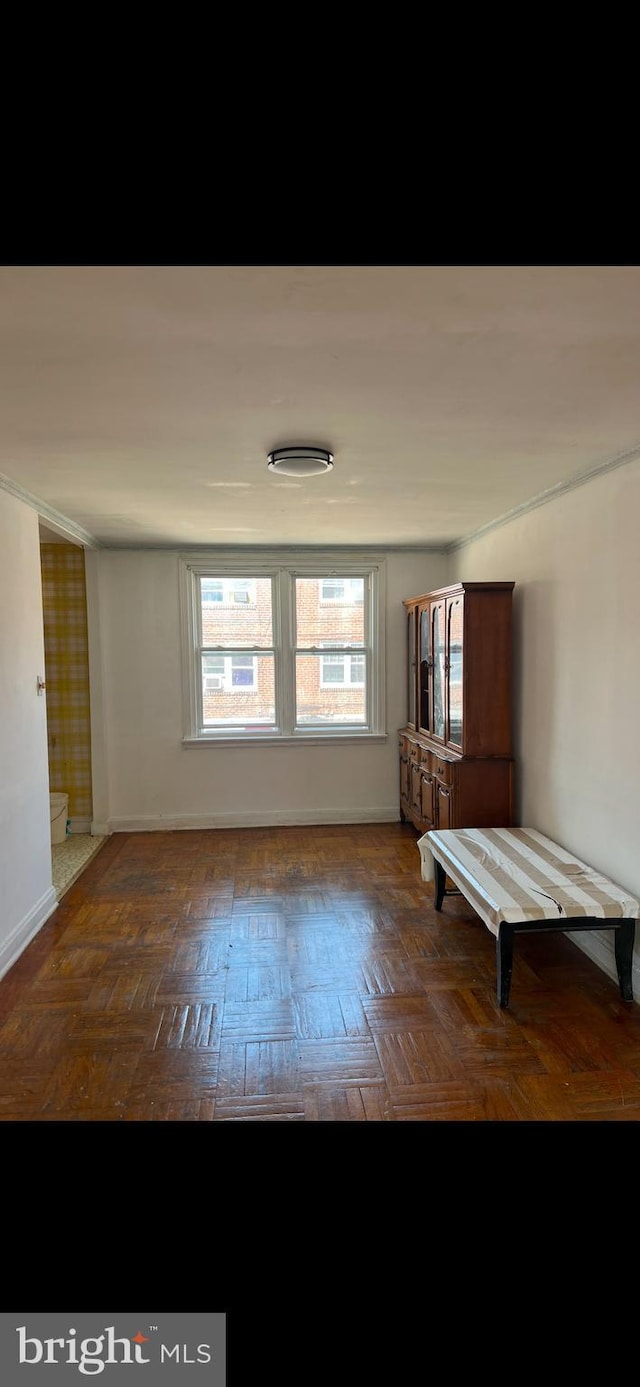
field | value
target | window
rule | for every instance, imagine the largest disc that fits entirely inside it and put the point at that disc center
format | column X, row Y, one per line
column 342, row 670
column 231, row 591
column 226, row 673
column 282, row 650
column 341, row 589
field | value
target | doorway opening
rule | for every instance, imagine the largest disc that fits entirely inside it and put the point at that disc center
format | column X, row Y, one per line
column 66, row 650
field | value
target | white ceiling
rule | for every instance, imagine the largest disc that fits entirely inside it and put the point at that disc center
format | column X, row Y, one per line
column 140, row 402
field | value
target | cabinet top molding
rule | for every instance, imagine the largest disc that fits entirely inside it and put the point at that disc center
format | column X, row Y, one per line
column 459, row 587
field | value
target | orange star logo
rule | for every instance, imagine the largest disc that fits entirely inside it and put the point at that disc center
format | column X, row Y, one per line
column 140, row 1338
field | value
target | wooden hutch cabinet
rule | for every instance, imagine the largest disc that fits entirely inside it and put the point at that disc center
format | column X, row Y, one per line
column 456, row 764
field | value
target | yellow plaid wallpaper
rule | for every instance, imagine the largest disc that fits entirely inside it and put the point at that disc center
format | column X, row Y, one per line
column 67, row 675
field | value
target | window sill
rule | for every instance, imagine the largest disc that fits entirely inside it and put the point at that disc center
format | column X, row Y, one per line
column 299, row 739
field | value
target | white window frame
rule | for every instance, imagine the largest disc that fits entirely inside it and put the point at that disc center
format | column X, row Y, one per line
column 283, row 567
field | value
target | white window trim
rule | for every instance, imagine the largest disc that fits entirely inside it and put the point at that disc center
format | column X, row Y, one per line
column 283, row 567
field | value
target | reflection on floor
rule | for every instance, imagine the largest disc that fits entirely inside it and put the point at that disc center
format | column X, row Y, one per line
column 70, row 858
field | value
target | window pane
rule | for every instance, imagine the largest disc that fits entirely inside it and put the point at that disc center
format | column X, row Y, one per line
column 328, row 703
column 319, row 622
column 239, row 693
column 241, row 616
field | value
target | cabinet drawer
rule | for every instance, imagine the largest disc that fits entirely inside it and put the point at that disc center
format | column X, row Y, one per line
column 443, row 769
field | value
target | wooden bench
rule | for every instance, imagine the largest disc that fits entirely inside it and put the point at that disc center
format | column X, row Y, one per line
column 519, row 881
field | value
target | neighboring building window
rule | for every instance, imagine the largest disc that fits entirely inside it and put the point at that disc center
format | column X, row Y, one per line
column 212, row 590
column 283, row 650
column 232, row 592
column 341, row 589
column 225, row 673
column 342, row 670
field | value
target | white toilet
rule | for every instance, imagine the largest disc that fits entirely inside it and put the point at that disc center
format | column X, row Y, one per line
column 58, row 810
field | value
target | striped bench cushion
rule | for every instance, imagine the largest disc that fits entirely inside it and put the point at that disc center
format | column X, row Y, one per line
column 512, row 875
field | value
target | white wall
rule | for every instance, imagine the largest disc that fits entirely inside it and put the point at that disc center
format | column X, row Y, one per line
column 146, row 779
column 576, row 564
column 26, row 892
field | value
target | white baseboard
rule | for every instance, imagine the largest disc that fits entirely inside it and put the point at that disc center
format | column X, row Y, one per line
column 24, row 932
column 99, row 829
column 79, row 826
column 598, row 946
column 275, row 818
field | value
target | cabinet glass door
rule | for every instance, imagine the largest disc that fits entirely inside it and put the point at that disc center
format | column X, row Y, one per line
column 438, row 670
column 412, row 666
column 424, row 671
column 455, row 607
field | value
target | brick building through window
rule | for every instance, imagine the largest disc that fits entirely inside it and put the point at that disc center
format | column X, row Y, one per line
column 238, row 688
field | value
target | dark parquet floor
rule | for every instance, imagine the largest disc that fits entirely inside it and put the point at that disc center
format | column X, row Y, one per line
column 299, row 974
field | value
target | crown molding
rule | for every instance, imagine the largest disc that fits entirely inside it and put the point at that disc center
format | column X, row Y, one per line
column 314, row 550
column 620, row 460
column 61, row 522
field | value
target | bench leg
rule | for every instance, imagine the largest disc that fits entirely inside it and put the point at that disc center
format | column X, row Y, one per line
column 624, row 941
column 504, row 963
column 440, row 878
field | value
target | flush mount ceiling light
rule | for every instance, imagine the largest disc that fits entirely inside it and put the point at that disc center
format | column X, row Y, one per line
column 300, row 462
